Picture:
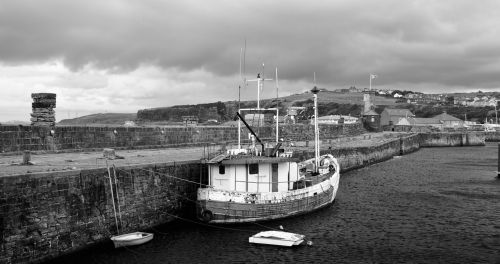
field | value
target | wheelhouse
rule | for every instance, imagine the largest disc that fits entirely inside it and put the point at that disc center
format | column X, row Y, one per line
column 256, row 174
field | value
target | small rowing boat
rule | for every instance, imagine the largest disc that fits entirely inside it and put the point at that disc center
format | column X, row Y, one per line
column 277, row 238
column 131, row 239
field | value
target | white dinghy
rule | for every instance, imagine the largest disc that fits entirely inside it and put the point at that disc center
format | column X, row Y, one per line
column 277, row 238
column 131, row 239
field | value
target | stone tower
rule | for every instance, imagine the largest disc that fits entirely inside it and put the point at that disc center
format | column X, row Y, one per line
column 368, row 102
column 43, row 109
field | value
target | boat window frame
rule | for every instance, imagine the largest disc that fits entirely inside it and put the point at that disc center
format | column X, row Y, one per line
column 253, row 168
column 222, row 169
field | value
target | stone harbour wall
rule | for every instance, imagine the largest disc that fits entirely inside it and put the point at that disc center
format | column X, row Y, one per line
column 301, row 132
column 492, row 136
column 351, row 158
column 453, row 139
column 76, row 138
column 49, row 214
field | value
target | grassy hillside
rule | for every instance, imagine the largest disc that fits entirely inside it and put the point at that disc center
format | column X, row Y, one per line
column 339, row 98
column 329, row 103
column 107, row 118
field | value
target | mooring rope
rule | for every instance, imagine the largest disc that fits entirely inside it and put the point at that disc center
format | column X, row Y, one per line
column 209, row 225
column 170, row 176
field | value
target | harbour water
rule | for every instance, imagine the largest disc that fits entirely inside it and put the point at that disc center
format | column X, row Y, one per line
column 437, row 205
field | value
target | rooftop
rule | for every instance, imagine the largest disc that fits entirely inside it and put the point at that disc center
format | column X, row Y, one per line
column 447, row 117
column 399, row 112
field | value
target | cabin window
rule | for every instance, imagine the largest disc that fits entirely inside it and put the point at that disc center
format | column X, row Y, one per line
column 222, row 169
column 253, row 168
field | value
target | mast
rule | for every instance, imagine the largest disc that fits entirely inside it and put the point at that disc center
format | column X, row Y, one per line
column 260, row 84
column 259, row 87
column 315, row 92
column 244, row 79
column 239, row 132
column 277, row 108
column 277, row 87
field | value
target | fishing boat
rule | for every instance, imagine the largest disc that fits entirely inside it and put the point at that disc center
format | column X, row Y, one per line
column 252, row 184
column 131, row 239
column 277, row 238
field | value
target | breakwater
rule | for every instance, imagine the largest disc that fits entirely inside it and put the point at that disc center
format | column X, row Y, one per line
column 81, row 138
column 47, row 214
column 351, row 158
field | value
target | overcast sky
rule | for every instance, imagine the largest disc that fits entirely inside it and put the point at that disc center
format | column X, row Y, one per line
column 121, row 56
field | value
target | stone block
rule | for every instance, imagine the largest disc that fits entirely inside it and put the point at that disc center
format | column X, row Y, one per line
column 43, row 105
column 43, row 95
column 44, row 100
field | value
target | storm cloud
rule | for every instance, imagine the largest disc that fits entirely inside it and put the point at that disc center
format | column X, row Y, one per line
column 427, row 45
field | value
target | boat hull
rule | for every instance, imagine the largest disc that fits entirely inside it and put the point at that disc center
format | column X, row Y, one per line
column 229, row 212
column 266, row 241
column 277, row 238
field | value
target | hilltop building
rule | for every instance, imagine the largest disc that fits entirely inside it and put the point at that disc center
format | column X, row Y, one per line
column 371, row 119
column 335, row 119
column 291, row 114
column 417, row 124
column 449, row 121
column 476, row 101
column 390, row 117
column 440, row 122
column 190, row 120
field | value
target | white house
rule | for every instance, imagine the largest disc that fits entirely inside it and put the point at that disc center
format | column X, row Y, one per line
column 335, row 119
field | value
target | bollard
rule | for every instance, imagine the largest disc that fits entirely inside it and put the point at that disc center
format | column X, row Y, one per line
column 27, row 157
column 109, row 153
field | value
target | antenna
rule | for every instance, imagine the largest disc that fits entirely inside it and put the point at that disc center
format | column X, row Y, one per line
column 260, row 84
column 277, row 87
column 314, row 78
column 241, row 54
column 242, row 72
column 244, row 62
column 263, row 71
column 239, row 86
column 239, row 96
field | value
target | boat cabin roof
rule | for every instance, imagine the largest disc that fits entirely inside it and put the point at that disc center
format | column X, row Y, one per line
column 249, row 159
